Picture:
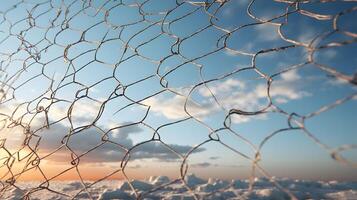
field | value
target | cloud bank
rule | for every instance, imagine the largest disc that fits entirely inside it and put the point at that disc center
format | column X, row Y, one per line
column 263, row 189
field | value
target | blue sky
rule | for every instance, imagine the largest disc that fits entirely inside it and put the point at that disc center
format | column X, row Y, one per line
column 101, row 66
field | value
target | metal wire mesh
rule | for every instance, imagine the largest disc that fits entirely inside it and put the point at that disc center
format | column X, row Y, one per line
column 32, row 41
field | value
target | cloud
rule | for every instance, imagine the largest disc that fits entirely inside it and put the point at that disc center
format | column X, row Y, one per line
column 173, row 107
column 87, row 139
column 208, row 189
column 288, row 87
column 201, row 165
column 213, row 157
column 84, row 140
column 160, row 152
column 223, row 87
column 267, row 32
column 83, row 112
column 291, row 75
column 231, row 93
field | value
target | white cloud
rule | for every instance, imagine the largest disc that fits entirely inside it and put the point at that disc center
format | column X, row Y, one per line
column 231, row 93
column 173, row 108
column 291, row 75
column 263, row 189
column 224, row 87
column 267, row 32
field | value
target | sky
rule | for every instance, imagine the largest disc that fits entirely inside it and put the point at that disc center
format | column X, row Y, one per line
column 66, row 74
